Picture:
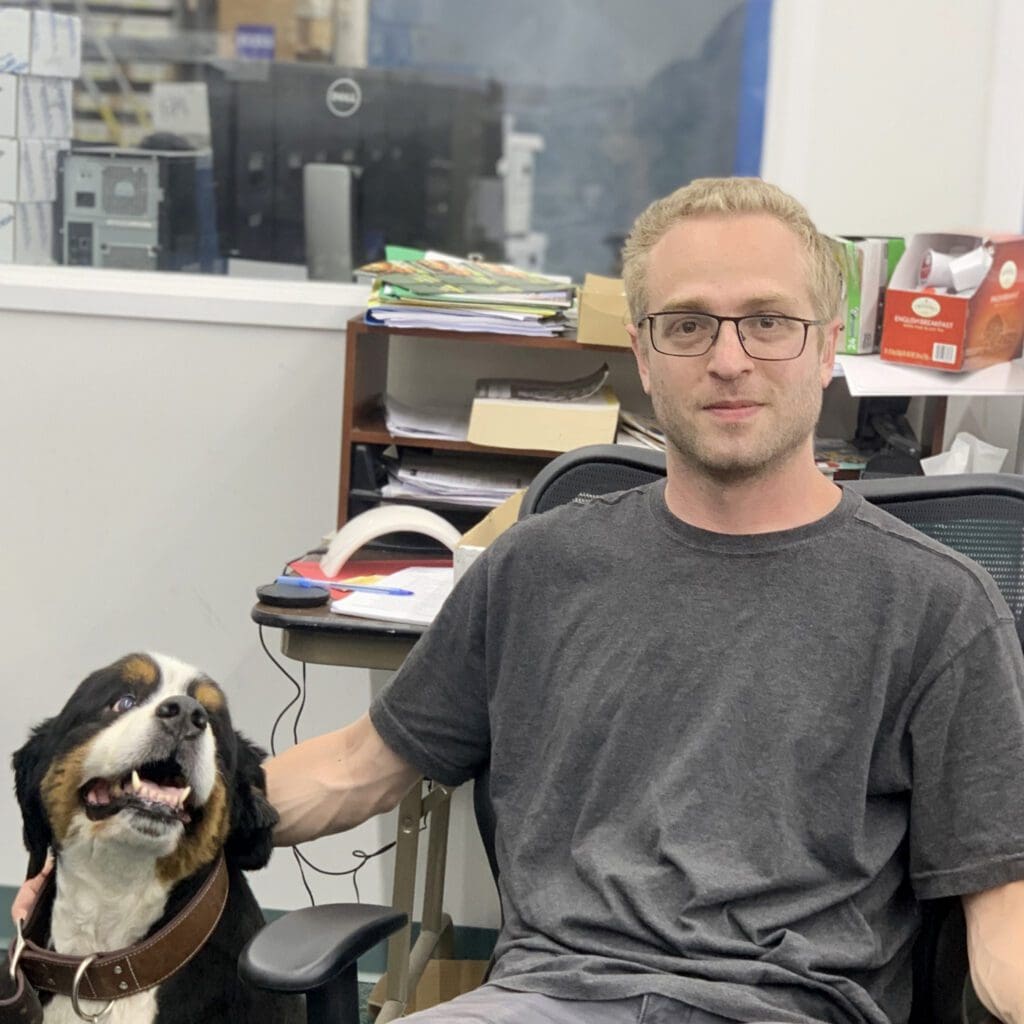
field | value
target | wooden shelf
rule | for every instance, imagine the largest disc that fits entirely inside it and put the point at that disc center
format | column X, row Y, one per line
column 366, row 371
column 371, row 429
column 565, row 342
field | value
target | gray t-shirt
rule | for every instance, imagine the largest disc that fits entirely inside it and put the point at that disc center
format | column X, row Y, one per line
column 723, row 767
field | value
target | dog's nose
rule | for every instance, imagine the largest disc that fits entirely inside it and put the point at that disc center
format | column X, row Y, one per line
column 183, row 715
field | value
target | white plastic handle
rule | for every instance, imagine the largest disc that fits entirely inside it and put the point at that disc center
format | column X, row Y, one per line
column 376, row 522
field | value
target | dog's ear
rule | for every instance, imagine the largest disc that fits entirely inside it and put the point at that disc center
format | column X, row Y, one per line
column 250, row 839
column 30, row 764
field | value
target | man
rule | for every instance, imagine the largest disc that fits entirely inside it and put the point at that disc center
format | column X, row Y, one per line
column 737, row 722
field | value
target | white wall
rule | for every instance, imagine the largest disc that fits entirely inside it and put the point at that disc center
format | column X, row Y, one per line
column 897, row 116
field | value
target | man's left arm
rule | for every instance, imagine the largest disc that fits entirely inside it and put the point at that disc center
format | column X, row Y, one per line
column 995, row 947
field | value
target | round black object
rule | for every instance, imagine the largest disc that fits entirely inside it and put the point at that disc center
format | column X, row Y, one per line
column 287, row 596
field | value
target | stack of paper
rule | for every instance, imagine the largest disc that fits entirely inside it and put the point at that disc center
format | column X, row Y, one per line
column 430, row 588
column 458, row 480
column 441, row 292
column 425, row 421
column 639, row 430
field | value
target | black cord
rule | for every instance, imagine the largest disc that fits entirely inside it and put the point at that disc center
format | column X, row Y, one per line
column 300, row 858
column 291, row 679
column 302, row 707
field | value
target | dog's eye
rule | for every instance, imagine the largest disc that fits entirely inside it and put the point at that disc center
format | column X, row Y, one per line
column 125, row 703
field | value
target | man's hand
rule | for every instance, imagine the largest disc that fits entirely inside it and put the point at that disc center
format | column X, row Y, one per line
column 29, row 893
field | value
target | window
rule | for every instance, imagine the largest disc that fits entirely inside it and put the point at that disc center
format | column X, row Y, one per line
column 295, row 138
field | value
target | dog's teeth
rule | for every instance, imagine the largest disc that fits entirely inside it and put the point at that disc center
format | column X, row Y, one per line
column 136, row 781
column 184, row 796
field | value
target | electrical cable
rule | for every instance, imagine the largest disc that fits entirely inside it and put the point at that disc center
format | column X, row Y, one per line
column 300, row 858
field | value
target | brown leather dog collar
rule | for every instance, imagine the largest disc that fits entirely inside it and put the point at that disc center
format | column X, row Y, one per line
column 132, row 969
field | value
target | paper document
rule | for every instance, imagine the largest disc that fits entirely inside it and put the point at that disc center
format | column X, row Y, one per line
column 429, row 589
column 543, row 390
column 461, row 480
column 404, row 421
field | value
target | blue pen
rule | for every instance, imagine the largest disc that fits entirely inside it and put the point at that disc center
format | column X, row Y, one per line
column 366, row 588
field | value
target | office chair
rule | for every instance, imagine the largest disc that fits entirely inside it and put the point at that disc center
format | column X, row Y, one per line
column 981, row 516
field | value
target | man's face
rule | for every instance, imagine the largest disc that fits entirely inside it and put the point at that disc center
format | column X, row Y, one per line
column 726, row 415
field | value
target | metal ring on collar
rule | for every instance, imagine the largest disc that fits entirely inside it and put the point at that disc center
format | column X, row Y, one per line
column 79, row 975
column 19, row 948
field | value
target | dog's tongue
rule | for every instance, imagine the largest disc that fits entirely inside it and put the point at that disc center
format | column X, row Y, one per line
column 99, row 793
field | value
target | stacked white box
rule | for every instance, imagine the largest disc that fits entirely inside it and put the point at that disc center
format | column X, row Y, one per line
column 40, row 53
column 26, row 233
column 40, row 43
column 35, row 108
column 28, row 169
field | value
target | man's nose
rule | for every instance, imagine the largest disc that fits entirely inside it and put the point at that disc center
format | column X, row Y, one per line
column 182, row 716
column 728, row 358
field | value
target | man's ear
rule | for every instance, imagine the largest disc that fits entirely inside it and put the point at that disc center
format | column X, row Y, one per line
column 250, row 838
column 829, row 344
column 30, row 765
column 642, row 356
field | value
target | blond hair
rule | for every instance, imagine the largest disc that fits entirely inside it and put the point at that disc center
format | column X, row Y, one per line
column 705, row 196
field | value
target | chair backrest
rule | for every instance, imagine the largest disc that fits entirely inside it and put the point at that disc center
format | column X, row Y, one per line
column 979, row 515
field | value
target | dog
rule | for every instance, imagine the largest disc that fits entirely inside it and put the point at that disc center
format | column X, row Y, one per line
column 139, row 786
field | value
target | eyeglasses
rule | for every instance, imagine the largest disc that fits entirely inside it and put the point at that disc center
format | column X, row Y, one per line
column 763, row 336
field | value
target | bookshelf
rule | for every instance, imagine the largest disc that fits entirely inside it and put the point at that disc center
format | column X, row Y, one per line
column 367, row 353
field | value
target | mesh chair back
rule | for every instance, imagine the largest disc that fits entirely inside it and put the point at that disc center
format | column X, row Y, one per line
column 979, row 515
column 584, row 473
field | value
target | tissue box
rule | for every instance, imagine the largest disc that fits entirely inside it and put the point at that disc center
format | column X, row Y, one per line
column 956, row 332
column 40, row 43
column 26, row 233
column 28, row 169
column 35, row 108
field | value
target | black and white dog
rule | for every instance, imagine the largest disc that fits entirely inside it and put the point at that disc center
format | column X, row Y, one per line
column 138, row 786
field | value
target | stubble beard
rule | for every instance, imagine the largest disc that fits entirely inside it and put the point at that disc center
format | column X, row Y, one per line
column 734, row 453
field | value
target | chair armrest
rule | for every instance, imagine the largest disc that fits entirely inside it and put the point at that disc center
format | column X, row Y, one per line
column 305, row 949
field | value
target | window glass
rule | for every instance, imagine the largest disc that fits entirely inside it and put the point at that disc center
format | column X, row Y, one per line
column 295, row 138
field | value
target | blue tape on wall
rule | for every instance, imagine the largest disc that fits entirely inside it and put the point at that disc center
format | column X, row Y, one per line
column 753, row 87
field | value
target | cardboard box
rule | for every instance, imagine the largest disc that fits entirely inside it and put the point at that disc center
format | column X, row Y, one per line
column 26, row 233
column 36, row 42
column 488, row 530
column 603, row 312
column 239, row 22
column 544, row 426
column 950, row 331
column 28, row 169
column 35, row 108
column 868, row 264
column 441, row 980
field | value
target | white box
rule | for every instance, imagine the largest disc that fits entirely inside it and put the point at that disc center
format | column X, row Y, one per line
column 26, row 233
column 35, row 108
column 40, row 43
column 28, row 169
column 544, row 426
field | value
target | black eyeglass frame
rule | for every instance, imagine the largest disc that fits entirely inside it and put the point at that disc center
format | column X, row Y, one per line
column 735, row 321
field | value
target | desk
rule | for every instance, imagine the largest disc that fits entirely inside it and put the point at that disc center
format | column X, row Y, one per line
column 318, row 636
